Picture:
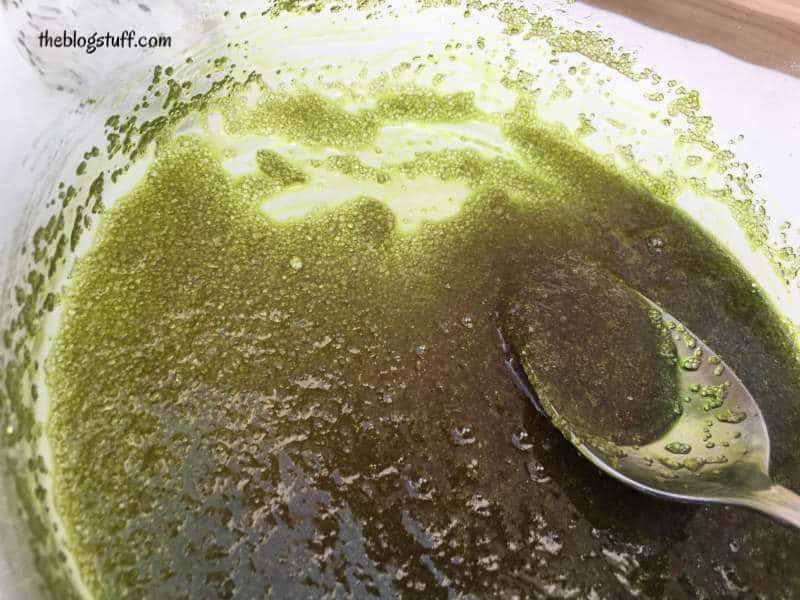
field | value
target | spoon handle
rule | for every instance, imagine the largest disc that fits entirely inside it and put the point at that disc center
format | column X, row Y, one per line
column 779, row 502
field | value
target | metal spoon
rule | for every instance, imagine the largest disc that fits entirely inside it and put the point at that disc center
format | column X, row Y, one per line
column 717, row 451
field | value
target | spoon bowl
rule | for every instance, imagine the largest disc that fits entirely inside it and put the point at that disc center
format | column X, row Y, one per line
column 716, row 451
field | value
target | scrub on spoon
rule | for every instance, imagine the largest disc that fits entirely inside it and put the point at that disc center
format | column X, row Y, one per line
column 716, row 451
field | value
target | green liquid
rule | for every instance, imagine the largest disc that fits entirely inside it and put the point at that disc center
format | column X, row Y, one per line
column 321, row 405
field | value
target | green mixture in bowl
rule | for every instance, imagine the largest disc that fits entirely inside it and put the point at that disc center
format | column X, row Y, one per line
column 278, row 363
column 323, row 403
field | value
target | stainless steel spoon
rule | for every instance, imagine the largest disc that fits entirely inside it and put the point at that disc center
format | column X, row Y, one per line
column 717, row 451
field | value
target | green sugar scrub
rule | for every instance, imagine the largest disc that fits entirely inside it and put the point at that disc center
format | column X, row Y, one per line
column 319, row 403
column 258, row 350
column 592, row 350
